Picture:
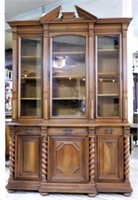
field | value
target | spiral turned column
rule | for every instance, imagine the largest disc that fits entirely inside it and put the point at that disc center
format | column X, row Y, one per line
column 126, row 154
column 44, row 158
column 44, row 154
column 12, row 155
column 92, row 155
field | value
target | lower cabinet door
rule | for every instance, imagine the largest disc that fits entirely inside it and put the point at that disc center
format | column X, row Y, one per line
column 110, row 158
column 27, row 158
column 68, row 159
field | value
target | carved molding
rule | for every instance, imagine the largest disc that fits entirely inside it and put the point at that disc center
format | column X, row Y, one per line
column 91, row 30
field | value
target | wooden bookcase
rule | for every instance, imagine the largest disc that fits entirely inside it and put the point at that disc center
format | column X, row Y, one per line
column 69, row 131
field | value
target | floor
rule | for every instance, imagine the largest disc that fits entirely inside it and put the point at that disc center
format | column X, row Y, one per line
column 36, row 196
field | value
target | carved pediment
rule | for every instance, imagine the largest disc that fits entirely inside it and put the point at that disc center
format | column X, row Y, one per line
column 85, row 15
column 66, row 16
column 51, row 15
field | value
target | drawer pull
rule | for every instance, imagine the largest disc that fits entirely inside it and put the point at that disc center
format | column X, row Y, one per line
column 109, row 130
column 68, row 131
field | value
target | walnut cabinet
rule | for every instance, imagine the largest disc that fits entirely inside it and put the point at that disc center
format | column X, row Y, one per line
column 69, row 131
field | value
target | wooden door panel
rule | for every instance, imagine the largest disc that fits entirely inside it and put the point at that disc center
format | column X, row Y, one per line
column 28, row 157
column 68, row 159
column 110, row 158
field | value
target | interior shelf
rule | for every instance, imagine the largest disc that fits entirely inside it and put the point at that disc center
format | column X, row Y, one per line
column 68, row 98
column 31, row 57
column 102, row 74
column 68, row 52
column 27, row 98
column 69, row 76
column 106, row 50
column 108, row 95
column 30, row 78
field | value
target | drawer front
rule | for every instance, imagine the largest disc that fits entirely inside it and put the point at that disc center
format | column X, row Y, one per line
column 67, row 131
column 109, row 131
column 28, row 130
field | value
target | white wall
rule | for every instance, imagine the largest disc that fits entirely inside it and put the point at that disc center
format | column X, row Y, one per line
column 127, row 12
column 2, row 104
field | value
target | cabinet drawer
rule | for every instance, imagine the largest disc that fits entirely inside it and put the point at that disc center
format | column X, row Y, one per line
column 109, row 131
column 67, row 131
column 28, row 130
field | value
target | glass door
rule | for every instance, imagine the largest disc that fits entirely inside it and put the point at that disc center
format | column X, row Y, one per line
column 68, row 76
column 30, row 90
column 108, row 89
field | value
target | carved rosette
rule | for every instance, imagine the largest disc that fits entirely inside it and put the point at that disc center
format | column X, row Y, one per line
column 44, row 156
column 12, row 153
column 126, row 153
column 91, row 154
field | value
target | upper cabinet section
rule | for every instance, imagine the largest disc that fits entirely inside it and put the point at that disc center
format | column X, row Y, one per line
column 69, row 66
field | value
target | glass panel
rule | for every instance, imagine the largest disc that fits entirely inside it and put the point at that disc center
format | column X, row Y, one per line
column 108, row 76
column 30, row 74
column 68, row 76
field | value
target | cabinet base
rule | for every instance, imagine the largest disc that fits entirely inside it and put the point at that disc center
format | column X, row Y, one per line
column 85, row 188
column 124, row 188
column 23, row 185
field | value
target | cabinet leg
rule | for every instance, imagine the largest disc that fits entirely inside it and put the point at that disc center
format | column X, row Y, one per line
column 92, row 194
column 44, row 193
column 11, row 191
column 127, row 194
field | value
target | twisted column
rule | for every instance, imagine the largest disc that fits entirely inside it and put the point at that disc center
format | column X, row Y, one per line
column 12, row 154
column 126, row 154
column 44, row 160
column 91, row 155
